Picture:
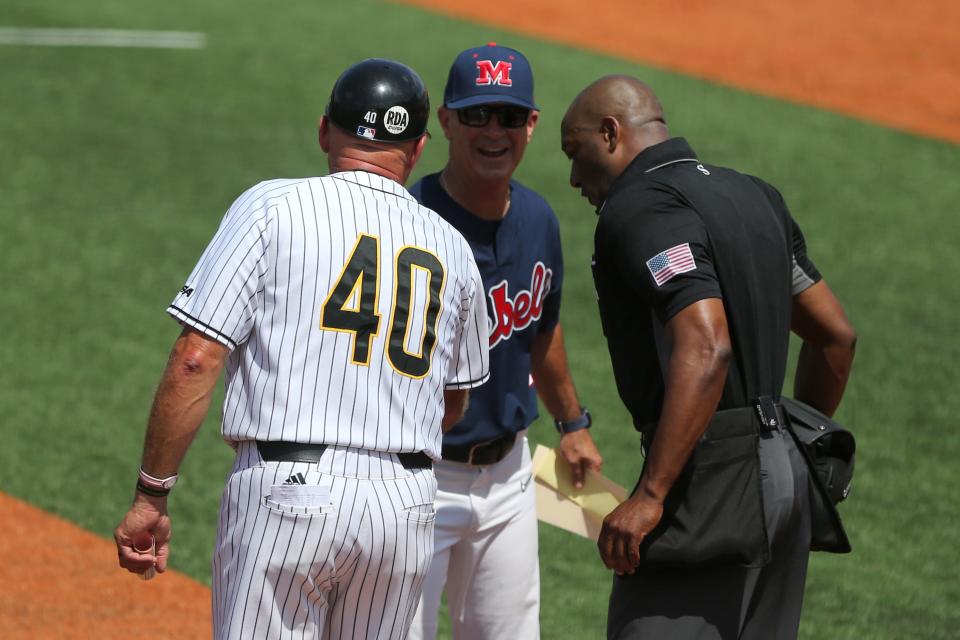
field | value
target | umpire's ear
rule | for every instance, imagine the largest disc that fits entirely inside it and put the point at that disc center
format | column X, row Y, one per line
column 323, row 134
column 610, row 130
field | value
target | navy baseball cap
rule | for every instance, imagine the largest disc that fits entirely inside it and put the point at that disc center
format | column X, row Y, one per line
column 488, row 74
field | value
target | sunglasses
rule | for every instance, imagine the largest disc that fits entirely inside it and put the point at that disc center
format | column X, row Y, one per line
column 509, row 116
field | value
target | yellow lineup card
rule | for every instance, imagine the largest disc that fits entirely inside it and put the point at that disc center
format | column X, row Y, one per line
column 558, row 503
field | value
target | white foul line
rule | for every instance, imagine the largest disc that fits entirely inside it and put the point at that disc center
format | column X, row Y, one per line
column 102, row 38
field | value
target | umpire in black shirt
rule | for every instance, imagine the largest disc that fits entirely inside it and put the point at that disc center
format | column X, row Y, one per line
column 701, row 273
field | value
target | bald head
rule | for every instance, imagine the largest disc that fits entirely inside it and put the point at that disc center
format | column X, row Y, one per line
column 629, row 100
column 605, row 127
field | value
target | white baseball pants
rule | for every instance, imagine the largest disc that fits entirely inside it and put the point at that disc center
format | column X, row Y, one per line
column 340, row 551
column 485, row 552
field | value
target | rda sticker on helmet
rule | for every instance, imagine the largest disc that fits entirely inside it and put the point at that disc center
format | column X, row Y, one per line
column 396, row 120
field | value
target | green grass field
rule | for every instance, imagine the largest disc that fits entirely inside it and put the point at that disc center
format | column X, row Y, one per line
column 117, row 165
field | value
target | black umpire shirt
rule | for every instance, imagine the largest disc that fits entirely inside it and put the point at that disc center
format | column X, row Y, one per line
column 674, row 231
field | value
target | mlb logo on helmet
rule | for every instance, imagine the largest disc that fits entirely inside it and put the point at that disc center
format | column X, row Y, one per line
column 367, row 132
column 487, row 75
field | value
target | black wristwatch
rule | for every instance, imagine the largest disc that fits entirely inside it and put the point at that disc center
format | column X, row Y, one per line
column 577, row 424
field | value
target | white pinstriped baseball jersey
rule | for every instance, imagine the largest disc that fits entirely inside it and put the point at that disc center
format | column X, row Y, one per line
column 348, row 307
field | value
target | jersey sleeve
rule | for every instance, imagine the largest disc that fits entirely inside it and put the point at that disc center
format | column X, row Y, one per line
column 219, row 298
column 470, row 365
column 805, row 273
column 664, row 256
column 551, row 296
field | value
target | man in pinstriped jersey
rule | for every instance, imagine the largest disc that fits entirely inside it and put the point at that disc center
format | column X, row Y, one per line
column 350, row 321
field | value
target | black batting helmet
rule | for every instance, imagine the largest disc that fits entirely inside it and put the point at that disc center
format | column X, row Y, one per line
column 381, row 100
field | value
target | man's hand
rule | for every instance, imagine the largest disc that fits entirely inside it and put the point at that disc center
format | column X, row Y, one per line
column 578, row 449
column 551, row 374
column 624, row 529
column 147, row 516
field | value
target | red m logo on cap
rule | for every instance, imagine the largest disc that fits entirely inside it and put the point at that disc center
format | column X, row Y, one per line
column 494, row 73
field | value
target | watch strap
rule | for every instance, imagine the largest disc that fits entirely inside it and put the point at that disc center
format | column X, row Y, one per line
column 577, row 424
column 156, row 484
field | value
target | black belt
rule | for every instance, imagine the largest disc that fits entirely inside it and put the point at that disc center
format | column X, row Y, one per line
column 280, row 451
column 481, row 453
column 763, row 412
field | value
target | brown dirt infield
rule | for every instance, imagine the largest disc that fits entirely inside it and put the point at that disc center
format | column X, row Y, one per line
column 60, row 581
column 896, row 63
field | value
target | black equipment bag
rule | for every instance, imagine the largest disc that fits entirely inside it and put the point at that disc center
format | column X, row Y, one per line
column 829, row 451
column 713, row 514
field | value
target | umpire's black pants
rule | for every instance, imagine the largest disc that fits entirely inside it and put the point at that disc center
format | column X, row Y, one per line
column 728, row 603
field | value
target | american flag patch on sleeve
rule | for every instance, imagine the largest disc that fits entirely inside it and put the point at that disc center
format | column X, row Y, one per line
column 673, row 261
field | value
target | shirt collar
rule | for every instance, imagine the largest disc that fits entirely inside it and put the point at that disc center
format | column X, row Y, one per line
column 471, row 225
column 652, row 158
column 375, row 182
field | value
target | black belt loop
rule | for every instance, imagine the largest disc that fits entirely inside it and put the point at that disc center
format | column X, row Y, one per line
column 770, row 413
column 280, row 451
